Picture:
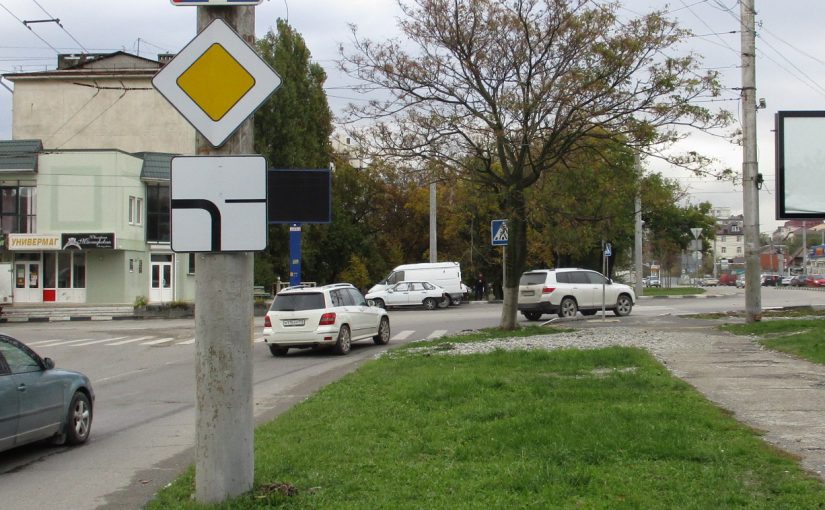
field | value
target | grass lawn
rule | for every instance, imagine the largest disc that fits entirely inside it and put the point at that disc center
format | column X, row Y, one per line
column 595, row 429
column 673, row 291
column 804, row 338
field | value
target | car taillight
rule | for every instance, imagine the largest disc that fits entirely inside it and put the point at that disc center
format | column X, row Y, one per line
column 328, row 319
column 267, row 322
column 548, row 290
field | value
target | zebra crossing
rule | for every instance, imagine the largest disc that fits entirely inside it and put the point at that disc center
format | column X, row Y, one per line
column 157, row 340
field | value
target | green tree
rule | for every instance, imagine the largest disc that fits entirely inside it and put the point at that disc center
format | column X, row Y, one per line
column 508, row 90
column 292, row 128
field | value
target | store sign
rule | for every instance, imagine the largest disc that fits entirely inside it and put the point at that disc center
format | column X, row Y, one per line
column 34, row 242
column 105, row 241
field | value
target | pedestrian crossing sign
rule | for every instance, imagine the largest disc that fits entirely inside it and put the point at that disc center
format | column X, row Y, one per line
column 499, row 232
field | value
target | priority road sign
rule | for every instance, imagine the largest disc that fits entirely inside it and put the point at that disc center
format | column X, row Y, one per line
column 218, row 203
column 499, row 232
column 216, row 82
column 216, row 2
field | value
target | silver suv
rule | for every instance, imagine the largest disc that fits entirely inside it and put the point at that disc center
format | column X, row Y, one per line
column 330, row 316
column 566, row 291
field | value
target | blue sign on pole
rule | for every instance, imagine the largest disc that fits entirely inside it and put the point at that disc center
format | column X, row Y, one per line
column 499, row 232
column 294, row 255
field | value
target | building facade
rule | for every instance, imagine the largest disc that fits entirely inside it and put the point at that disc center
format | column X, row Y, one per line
column 84, row 186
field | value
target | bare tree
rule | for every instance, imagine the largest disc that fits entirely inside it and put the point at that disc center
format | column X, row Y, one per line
column 504, row 90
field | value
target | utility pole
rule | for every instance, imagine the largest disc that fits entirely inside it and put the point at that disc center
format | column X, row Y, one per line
column 750, row 191
column 637, row 246
column 224, row 425
column 433, row 224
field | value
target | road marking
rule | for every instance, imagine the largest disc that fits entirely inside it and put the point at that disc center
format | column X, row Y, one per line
column 187, row 342
column 258, row 340
column 138, row 339
column 99, row 341
column 65, row 342
column 403, row 335
column 41, row 342
column 437, row 334
column 158, row 341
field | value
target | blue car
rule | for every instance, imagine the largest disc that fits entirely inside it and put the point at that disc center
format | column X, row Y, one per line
column 39, row 401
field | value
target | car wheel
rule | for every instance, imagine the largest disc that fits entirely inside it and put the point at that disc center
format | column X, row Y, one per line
column 344, row 342
column 379, row 303
column 79, row 420
column 623, row 306
column 532, row 316
column 383, row 335
column 568, row 308
column 589, row 312
column 430, row 304
column 278, row 351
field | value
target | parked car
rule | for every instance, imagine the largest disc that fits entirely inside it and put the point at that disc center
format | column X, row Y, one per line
column 565, row 291
column 329, row 316
column 410, row 294
column 39, row 401
column 709, row 281
column 785, row 281
column 770, row 280
column 652, row 281
column 798, row 280
column 815, row 280
column 740, row 283
column 446, row 275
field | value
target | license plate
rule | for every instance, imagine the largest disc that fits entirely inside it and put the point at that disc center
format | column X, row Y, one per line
column 293, row 322
column 528, row 293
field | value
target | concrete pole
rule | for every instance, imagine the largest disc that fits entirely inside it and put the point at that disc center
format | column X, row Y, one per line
column 750, row 192
column 805, row 248
column 433, row 224
column 637, row 249
column 224, row 455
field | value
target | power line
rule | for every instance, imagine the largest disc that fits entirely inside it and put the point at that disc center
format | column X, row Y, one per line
column 57, row 20
column 30, row 29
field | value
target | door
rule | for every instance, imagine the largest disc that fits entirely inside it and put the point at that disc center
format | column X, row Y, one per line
column 400, row 295
column 9, row 407
column 161, row 290
column 27, row 285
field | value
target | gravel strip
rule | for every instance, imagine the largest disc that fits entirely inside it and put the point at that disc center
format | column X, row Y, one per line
column 659, row 343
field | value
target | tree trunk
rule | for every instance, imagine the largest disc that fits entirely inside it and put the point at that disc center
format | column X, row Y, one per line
column 516, row 255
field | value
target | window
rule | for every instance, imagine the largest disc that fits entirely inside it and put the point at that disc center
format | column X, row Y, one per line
column 18, row 208
column 191, row 269
column 70, row 273
column 739, row 250
column 19, row 360
column 724, row 249
column 131, row 265
column 135, row 211
column 722, row 239
column 157, row 213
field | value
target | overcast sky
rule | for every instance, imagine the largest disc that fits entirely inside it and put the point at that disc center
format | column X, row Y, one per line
column 790, row 56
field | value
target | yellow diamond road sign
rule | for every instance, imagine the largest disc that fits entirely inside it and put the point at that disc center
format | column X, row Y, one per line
column 216, row 82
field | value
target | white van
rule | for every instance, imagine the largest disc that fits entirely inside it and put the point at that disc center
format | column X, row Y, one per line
column 444, row 274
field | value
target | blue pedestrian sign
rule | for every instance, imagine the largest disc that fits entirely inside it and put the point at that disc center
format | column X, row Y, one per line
column 608, row 250
column 499, row 232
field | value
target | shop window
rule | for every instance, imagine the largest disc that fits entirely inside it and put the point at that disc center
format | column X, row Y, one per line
column 79, row 270
column 18, row 209
column 157, row 213
column 71, row 270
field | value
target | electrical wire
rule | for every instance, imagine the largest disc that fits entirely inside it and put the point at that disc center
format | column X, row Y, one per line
column 29, row 28
column 61, row 26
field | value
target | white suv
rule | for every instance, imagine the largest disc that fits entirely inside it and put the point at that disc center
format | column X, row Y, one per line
column 568, row 290
column 330, row 316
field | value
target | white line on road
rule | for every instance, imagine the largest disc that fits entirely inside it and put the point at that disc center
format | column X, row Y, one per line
column 131, row 340
column 437, row 334
column 41, row 342
column 403, row 335
column 187, row 342
column 99, row 341
column 65, row 342
column 158, row 341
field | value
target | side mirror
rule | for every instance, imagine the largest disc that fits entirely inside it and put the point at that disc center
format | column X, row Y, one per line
column 49, row 363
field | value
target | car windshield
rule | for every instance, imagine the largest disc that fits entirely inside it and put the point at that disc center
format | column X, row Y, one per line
column 532, row 278
column 298, row 301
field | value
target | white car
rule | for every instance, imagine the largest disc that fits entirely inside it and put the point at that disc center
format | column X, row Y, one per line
column 330, row 316
column 405, row 293
column 565, row 291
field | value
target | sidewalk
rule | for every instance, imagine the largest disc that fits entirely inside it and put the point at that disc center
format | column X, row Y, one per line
column 781, row 396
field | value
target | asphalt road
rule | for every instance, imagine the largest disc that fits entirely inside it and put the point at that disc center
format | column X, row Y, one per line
column 143, row 375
